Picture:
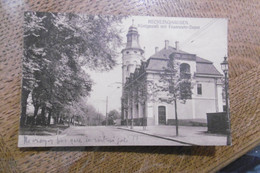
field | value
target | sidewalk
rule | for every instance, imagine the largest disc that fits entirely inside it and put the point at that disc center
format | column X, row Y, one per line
column 187, row 134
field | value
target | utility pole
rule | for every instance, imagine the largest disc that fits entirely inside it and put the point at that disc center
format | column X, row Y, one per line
column 106, row 111
column 98, row 117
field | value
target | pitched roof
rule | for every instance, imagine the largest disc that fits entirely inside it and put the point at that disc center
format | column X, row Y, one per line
column 158, row 62
column 207, row 69
column 202, row 60
column 165, row 53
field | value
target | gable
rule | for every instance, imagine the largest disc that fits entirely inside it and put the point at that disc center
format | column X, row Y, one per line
column 156, row 64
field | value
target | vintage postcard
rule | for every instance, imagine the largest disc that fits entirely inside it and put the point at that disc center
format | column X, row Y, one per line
column 93, row 80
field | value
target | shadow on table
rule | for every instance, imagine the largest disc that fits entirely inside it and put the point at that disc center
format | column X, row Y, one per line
column 177, row 150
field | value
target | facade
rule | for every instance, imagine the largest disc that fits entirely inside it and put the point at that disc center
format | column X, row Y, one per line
column 141, row 101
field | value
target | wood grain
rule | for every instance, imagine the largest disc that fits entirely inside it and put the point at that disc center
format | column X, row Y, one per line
column 244, row 54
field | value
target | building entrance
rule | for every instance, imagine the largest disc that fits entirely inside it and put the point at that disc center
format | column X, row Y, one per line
column 162, row 115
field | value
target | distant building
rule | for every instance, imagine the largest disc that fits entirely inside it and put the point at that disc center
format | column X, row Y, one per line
column 206, row 93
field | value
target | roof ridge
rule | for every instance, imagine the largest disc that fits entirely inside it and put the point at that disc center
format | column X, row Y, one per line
column 170, row 48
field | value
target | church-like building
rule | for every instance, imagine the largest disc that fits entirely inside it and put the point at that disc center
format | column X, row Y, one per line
column 143, row 106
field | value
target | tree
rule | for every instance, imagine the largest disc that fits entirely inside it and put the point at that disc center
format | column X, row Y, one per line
column 113, row 115
column 57, row 47
column 175, row 82
column 91, row 116
column 32, row 27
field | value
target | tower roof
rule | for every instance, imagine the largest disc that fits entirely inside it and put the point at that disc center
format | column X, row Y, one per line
column 132, row 28
column 133, row 38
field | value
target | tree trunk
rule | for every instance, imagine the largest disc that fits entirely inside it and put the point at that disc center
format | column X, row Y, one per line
column 60, row 119
column 57, row 118
column 43, row 116
column 72, row 120
column 49, row 117
column 132, row 119
column 144, row 117
column 36, row 109
column 176, row 118
column 126, row 118
column 25, row 95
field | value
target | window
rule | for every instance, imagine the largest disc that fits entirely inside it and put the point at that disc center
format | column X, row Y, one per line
column 199, row 89
column 185, row 90
column 185, row 87
column 128, row 67
column 185, row 71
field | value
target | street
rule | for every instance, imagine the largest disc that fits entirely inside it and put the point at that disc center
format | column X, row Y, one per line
column 113, row 136
column 124, row 136
column 94, row 136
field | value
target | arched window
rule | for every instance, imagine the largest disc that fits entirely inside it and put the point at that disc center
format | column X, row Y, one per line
column 185, row 86
column 185, row 71
column 185, row 68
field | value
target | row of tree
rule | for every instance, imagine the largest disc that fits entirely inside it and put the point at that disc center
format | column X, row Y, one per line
column 57, row 49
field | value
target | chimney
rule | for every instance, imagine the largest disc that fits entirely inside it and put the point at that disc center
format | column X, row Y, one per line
column 177, row 45
column 156, row 49
column 166, row 44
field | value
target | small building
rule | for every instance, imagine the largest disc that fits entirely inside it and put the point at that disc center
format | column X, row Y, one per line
column 143, row 105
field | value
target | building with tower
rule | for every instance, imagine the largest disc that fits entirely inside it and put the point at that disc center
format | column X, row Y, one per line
column 141, row 102
column 132, row 54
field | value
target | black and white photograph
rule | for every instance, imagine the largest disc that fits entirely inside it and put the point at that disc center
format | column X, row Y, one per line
column 95, row 80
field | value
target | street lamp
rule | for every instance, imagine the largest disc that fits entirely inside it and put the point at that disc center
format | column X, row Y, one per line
column 224, row 67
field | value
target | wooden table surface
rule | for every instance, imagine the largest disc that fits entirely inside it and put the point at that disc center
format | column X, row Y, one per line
column 244, row 58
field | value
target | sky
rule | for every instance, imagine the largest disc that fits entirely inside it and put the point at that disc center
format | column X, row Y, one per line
column 205, row 37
